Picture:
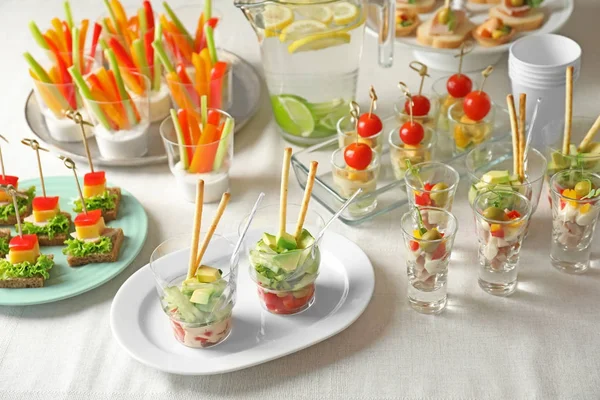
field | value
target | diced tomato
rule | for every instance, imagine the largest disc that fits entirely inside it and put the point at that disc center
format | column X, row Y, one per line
column 413, row 245
column 440, row 252
column 213, row 22
column 91, row 218
column 423, row 199
column 208, row 333
column 289, row 302
column 45, row 203
column 178, row 331
column 428, row 186
column 200, row 339
column 499, row 233
column 514, row 214
column 94, row 178
column 270, row 298
column 9, row 180
column 23, row 243
column 486, row 33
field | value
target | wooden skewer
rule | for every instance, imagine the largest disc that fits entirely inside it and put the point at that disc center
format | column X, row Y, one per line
column 285, row 174
column 312, row 173
column 211, row 230
column 196, row 231
column 522, row 122
column 568, row 112
column 510, row 101
column 589, row 136
column 2, row 159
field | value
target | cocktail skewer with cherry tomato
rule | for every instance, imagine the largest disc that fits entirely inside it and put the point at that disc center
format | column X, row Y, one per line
column 425, row 107
column 369, row 124
column 367, row 129
column 6, row 204
column 477, row 103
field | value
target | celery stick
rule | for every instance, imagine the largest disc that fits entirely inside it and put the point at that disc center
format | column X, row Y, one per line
column 156, row 62
column 112, row 61
column 37, row 35
column 178, row 24
column 162, row 55
column 142, row 21
column 207, row 9
column 85, row 92
column 103, row 45
column 43, row 76
column 68, row 14
column 75, row 50
column 210, row 44
column 180, row 140
column 140, row 54
column 223, row 144
column 204, row 110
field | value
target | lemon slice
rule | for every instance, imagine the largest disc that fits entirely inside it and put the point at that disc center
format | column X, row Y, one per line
column 299, row 29
column 319, row 42
column 318, row 13
column 344, row 13
column 275, row 18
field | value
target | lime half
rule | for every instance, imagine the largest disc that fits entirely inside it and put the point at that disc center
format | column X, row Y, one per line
column 293, row 115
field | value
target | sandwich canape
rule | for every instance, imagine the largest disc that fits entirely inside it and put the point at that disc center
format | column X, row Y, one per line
column 24, row 266
column 493, row 32
column 448, row 29
column 406, row 22
column 8, row 214
column 522, row 15
column 416, row 6
column 92, row 241
column 4, row 240
column 51, row 226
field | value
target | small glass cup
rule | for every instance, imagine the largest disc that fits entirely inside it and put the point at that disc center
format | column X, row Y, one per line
column 208, row 161
column 428, row 257
column 285, row 281
column 557, row 160
column 346, row 129
column 400, row 152
column 177, row 45
column 219, row 91
column 434, row 185
column 499, row 157
column 348, row 180
column 428, row 121
column 55, row 100
column 573, row 221
column 500, row 239
column 159, row 96
column 205, row 320
column 121, row 127
column 467, row 134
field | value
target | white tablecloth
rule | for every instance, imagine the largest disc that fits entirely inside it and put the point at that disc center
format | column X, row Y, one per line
column 540, row 343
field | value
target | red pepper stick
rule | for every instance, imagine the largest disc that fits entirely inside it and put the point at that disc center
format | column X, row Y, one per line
column 216, row 84
column 65, row 77
column 149, row 15
column 68, row 41
column 124, row 58
column 182, row 115
column 95, row 37
column 187, row 82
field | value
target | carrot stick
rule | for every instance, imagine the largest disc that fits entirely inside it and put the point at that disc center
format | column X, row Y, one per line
column 194, row 128
column 200, row 83
column 82, row 36
column 204, row 156
column 199, row 33
column 129, row 107
column 182, row 115
column 50, row 99
column 85, row 92
column 95, row 37
column 178, row 24
column 183, row 49
column 58, row 29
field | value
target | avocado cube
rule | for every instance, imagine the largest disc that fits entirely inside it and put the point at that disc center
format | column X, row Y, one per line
column 206, row 274
column 496, row 177
column 269, row 240
column 286, row 241
column 305, row 240
column 201, row 296
column 289, row 260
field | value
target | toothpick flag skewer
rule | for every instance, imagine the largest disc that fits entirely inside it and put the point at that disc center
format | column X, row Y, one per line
column 2, row 159
column 421, row 69
column 373, row 97
column 78, row 119
column 70, row 164
column 36, row 147
column 10, row 189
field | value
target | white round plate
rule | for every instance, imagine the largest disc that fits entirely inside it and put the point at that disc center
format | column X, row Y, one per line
column 557, row 13
column 344, row 289
column 246, row 96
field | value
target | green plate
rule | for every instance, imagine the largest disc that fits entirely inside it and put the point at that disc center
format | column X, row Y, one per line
column 66, row 281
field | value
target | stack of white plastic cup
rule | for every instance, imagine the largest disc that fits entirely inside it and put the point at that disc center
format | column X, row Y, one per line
column 537, row 66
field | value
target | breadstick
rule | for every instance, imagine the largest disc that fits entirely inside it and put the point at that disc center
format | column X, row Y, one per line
column 285, row 174
column 212, row 229
column 589, row 136
column 197, row 225
column 522, row 122
column 510, row 101
column 568, row 112
column 310, row 181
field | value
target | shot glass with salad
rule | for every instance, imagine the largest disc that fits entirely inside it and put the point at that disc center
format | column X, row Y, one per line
column 501, row 219
column 431, row 184
column 425, row 107
column 412, row 142
column 368, row 129
column 199, row 145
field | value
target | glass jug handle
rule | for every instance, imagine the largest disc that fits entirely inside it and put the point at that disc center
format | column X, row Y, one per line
column 387, row 31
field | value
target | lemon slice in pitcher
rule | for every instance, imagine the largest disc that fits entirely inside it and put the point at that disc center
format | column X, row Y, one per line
column 299, row 29
column 275, row 18
column 319, row 42
column 318, row 13
column 344, row 13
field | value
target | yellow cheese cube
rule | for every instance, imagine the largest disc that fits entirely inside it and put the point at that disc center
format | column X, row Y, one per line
column 90, row 231
column 44, row 216
column 19, row 256
column 96, row 190
column 4, row 196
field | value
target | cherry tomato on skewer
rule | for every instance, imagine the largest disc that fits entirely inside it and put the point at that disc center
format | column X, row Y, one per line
column 459, row 85
column 369, row 125
column 358, row 155
column 412, row 133
column 421, row 106
column 477, row 105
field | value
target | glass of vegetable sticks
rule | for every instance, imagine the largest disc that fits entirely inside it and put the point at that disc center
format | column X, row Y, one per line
column 56, row 94
column 199, row 145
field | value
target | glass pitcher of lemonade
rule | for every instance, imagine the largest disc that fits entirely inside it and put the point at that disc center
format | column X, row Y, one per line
column 310, row 53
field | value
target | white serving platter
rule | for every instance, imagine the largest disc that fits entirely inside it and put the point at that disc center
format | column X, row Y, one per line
column 344, row 288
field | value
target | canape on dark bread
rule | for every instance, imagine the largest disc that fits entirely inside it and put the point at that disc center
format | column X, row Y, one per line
column 24, row 266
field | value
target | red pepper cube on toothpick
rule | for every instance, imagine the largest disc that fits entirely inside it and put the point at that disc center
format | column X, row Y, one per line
column 23, row 249
column 94, row 184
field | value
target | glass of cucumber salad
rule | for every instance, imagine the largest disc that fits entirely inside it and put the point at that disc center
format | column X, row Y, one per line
column 490, row 167
column 199, row 308
column 285, row 268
